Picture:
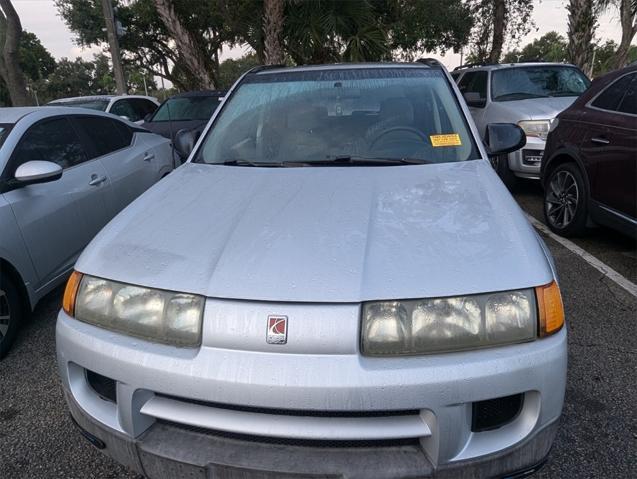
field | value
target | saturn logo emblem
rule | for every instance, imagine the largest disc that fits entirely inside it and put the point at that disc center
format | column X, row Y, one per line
column 277, row 332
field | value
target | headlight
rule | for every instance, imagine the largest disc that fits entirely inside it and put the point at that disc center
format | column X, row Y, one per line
column 459, row 323
column 536, row 128
column 152, row 314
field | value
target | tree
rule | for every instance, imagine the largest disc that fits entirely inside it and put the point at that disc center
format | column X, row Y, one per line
column 185, row 43
column 10, row 68
column 113, row 45
column 628, row 19
column 230, row 70
column 550, row 47
column 273, row 19
column 582, row 23
column 497, row 21
column 606, row 57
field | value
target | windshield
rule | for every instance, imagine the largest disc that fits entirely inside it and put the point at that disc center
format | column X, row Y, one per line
column 90, row 104
column 328, row 116
column 187, row 108
column 521, row 83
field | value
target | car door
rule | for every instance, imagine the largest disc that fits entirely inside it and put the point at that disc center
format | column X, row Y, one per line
column 57, row 219
column 131, row 165
column 610, row 141
column 473, row 86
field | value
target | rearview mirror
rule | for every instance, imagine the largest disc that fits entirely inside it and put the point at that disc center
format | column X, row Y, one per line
column 473, row 99
column 502, row 138
column 184, row 142
column 33, row 172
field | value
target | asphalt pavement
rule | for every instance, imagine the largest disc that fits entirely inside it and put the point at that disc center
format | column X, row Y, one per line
column 598, row 433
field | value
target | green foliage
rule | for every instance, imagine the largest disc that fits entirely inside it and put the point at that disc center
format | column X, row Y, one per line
column 605, row 57
column 230, row 70
column 550, row 47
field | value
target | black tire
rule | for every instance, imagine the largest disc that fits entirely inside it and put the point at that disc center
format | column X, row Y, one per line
column 501, row 166
column 10, row 314
column 566, row 201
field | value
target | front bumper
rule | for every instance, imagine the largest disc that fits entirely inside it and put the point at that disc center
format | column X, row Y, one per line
column 224, row 411
column 526, row 163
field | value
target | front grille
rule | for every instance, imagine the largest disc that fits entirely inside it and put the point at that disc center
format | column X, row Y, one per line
column 295, row 442
column 297, row 412
column 532, row 157
column 495, row 413
column 105, row 387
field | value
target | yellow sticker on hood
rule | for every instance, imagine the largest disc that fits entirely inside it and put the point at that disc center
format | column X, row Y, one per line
column 452, row 139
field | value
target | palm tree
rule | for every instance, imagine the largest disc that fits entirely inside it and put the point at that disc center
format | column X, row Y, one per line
column 582, row 22
column 273, row 18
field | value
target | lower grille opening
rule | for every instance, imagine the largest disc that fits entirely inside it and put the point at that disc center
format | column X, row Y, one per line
column 495, row 413
column 295, row 442
column 103, row 386
column 532, row 157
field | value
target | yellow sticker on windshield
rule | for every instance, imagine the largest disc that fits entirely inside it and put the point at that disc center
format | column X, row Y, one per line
column 452, row 139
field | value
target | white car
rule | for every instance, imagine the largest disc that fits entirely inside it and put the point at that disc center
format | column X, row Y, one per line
column 64, row 173
column 130, row 107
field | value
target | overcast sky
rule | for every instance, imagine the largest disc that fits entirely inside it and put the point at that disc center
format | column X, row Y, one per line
column 41, row 18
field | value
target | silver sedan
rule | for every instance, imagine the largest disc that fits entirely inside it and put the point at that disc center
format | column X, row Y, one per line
column 64, row 173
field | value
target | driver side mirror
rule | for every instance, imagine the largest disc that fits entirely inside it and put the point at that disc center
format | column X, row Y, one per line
column 33, row 172
column 473, row 99
column 185, row 142
column 502, row 138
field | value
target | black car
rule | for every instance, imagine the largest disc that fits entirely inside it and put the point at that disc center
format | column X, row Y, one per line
column 185, row 111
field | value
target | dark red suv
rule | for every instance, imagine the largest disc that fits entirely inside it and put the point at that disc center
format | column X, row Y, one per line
column 589, row 169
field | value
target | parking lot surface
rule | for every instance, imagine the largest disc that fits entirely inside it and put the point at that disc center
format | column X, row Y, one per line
column 598, row 434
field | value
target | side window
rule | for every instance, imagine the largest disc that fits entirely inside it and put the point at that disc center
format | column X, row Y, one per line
column 455, row 76
column 124, row 108
column 609, row 99
column 143, row 107
column 50, row 140
column 476, row 83
column 102, row 134
column 629, row 102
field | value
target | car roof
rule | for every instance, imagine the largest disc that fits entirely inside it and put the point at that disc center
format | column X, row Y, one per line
column 188, row 94
column 501, row 66
column 341, row 66
column 98, row 97
column 13, row 115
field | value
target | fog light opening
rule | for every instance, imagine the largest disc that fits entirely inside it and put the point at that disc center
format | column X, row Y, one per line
column 106, row 388
column 494, row 413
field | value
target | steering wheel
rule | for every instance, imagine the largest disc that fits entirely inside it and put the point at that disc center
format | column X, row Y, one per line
column 422, row 138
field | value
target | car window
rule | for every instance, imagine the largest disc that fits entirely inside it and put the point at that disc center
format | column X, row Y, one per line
column 323, row 115
column 474, row 82
column 104, row 135
column 521, row 83
column 187, row 108
column 5, row 128
column 124, row 108
column 99, row 105
column 455, row 76
column 142, row 107
column 50, row 140
column 629, row 102
column 609, row 98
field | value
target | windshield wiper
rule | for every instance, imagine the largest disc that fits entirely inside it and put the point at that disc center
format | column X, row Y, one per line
column 259, row 164
column 519, row 96
column 349, row 160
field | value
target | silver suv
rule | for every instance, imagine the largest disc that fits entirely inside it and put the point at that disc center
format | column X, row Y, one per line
column 528, row 94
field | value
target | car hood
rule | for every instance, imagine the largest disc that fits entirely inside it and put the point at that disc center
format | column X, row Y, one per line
column 323, row 234
column 539, row 108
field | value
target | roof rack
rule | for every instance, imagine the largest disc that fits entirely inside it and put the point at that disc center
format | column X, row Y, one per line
column 260, row 68
column 430, row 62
column 471, row 65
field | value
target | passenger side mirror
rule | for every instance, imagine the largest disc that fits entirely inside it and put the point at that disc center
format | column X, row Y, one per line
column 502, row 138
column 185, row 142
column 125, row 117
column 33, row 172
column 474, row 100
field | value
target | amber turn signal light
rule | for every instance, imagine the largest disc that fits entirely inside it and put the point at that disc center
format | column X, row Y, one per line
column 70, row 293
column 550, row 308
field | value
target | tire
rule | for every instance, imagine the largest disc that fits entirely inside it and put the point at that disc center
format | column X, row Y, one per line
column 10, row 314
column 566, row 201
column 501, row 166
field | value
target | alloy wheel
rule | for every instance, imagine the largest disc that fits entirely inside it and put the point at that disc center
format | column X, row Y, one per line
column 562, row 199
column 5, row 314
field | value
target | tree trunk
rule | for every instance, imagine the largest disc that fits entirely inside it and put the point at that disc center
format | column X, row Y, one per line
column 499, row 18
column 582, row 23
column 11, row 70
column 193, row 59
column 113, row 43
column 272, row 29
column 629, row 28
